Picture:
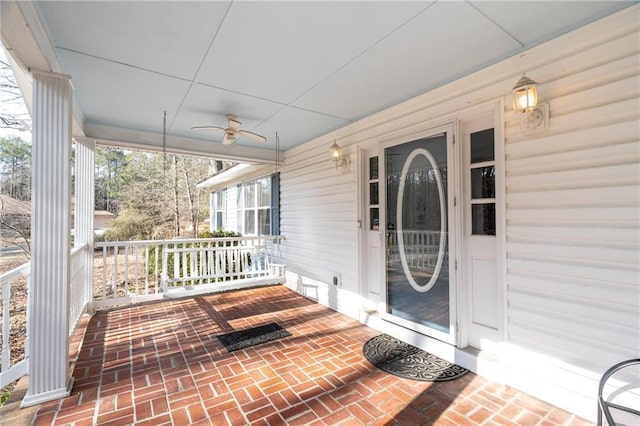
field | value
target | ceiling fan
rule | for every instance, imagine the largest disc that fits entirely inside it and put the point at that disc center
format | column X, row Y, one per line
column 233, row 128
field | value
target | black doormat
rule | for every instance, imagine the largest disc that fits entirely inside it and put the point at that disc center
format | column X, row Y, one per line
column 252, row 336
column 403, row 360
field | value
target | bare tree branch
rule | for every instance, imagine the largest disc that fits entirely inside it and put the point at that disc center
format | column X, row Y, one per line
column 27, row 247
column 10, row 95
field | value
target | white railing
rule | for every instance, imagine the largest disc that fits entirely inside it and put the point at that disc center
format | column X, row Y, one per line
column 134, row 271
column 17, row 280
column 127, row 271
column 221, row 263
column 421, row 248
column 79, row 296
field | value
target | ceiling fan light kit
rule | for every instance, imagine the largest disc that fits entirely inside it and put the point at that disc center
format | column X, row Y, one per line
column 233, row 128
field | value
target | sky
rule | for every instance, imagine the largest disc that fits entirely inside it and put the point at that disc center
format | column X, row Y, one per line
column 13, row 107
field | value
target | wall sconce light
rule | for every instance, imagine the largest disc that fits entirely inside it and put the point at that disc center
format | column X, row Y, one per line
column 525, row 101
column 336, row 155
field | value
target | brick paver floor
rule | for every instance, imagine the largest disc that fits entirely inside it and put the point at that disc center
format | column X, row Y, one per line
column 160, row 363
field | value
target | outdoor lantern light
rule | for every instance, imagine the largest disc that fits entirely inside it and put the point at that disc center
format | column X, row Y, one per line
column 525, row 101
column 525, row 95
column 335, row 153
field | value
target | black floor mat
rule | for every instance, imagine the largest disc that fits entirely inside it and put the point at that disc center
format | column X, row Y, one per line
column 403, row 360
column 252, row 336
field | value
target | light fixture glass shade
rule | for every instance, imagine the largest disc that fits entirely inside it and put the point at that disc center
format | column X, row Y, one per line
column 525, row 95
column 335, row 152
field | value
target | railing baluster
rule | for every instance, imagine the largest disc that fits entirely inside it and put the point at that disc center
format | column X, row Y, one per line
column 210, row 263
column 136, row 253
column 115, row 271
column 126, row 269
column 146, row 270
column 185, row 272
column 155, row 268
column 165, row 268
column 104, row 272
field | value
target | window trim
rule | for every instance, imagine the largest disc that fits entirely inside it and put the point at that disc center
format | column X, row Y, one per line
column 221, row 193
column 273, row 181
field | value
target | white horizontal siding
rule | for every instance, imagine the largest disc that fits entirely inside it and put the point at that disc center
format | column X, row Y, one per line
column 573, row 223
column 318, row 217
column 231, row 211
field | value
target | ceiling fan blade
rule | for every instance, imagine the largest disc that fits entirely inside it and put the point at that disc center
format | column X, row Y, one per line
column 227, row 139
column 207, row 127
column 254, row 136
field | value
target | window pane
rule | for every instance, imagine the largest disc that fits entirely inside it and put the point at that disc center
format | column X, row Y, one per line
column 483, row 219
column 250, row 222
column 483, row 182
column 373, row 193
column 264, row 222
column 373, row 168
column 482, row 146
column 374, row 219
column 219, row 220
column 219, row 200
column 264, row 192
column 249, row 194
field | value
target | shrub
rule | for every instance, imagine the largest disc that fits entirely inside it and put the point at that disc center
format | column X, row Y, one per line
column 130, row 225
column 221, row 233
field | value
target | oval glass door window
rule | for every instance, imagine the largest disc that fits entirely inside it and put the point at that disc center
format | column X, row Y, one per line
column 421, row 220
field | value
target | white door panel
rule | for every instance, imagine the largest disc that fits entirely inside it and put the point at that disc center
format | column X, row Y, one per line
column 484, row 292
column 480, row 278
column 372, row 270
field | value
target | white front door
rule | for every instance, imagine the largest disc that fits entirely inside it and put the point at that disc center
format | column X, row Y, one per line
column 480, row 277
column 372, row 231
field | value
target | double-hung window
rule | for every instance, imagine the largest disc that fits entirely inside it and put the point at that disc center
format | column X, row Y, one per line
column 260, row 206
column 219, row 216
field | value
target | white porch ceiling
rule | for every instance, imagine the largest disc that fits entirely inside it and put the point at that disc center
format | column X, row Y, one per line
column 302, row 69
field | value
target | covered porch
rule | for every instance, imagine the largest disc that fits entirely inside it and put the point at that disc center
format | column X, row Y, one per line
column 161, row 363
column 561, row 279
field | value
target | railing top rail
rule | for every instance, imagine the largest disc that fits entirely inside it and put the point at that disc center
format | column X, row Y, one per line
column 21, row 271
column 79, row 248
column 186, row 241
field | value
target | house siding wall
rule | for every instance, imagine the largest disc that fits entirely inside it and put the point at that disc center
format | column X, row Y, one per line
column 572, row 223
column 231, row 213
column 319, row 219
column 572, row 208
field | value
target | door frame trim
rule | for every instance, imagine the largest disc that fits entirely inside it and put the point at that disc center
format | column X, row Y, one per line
column 424, row 125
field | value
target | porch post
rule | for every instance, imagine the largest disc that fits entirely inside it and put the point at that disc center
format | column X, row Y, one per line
column 85, row 207
column 48, row 308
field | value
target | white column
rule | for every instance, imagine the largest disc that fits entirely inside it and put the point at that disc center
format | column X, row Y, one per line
column 85, row 207
column 50, row 239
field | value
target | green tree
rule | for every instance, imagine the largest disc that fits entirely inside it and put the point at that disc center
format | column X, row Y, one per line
column 130, row 225
column 15, row 168
column 109, row 167
column 162, row 191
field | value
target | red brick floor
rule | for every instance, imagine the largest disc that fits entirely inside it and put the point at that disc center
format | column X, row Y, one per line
column 160, row 363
